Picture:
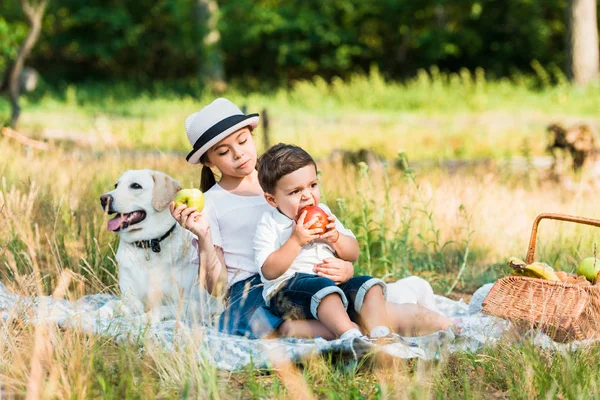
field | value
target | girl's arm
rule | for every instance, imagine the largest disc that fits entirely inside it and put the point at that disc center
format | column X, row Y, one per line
column 335, row 269
column 212, row 273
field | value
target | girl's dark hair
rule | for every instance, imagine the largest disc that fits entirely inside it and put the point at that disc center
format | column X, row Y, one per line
column 207, row 177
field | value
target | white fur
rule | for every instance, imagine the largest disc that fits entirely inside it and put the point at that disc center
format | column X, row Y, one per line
column 161, row 285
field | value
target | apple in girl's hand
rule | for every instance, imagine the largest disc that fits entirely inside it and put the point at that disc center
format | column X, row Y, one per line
column 190, row 197
column 311, row 213
column 589, row 267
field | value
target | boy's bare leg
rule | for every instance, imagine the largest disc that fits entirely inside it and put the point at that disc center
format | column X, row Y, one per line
column 333, row 315
column 374, row 311
column 414, row 319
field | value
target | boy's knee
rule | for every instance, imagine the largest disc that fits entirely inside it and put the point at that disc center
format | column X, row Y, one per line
column 375, row 290
column 318, row 297
column 372, row 287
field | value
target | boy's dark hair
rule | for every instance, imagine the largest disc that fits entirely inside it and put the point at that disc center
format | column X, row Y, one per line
column 279, row 161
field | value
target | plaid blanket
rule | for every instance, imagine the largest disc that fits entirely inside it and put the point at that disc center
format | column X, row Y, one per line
column 235, row 352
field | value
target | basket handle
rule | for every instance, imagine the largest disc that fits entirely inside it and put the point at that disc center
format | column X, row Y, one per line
column 560, row 217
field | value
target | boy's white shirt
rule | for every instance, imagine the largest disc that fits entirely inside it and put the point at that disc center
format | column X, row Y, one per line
column 273, row 230
column 233, row 220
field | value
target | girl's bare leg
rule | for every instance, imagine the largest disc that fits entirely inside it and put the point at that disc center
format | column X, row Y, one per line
column 305, row 328
column 415, row 320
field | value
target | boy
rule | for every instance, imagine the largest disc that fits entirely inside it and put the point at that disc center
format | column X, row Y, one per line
column 286, row 252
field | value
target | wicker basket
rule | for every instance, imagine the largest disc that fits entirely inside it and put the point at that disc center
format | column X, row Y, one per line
column 563, row 311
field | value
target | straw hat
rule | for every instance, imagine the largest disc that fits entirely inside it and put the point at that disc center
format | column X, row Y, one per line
column 214, row 123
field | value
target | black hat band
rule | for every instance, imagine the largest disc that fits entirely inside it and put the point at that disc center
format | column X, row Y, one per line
column 217, row 129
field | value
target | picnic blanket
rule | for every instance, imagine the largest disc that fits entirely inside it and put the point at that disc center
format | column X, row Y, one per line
column 236, row 352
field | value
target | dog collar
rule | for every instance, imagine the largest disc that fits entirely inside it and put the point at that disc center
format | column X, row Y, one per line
column 154, row 244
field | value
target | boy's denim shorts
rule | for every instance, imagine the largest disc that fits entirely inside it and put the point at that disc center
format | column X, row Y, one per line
column 247, row 314
column 300, row 296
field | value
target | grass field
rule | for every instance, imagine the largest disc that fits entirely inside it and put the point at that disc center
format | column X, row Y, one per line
column 455, row 227
column 433, row 116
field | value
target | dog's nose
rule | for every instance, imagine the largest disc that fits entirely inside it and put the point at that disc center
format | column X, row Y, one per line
column 105, row 201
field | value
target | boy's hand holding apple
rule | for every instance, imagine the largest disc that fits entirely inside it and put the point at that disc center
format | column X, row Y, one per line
column 331, row 234
column 316, row 214
column 305, row 232
column 325, row 221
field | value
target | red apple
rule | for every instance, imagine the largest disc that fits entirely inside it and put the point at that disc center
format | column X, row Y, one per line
column 311, row 213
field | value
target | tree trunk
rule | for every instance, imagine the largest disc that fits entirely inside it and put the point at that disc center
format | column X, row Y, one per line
column 211, row 70
column 34, row 13
column 583, row 41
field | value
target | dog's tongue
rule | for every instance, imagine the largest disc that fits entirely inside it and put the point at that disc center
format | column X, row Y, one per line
column 115, row 223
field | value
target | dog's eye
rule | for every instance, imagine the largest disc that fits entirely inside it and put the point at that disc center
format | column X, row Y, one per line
column 116, row 184
column 135, row 186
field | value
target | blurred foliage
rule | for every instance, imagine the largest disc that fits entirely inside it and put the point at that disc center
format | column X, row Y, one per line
column 298, row 39
column 11, row 36
column 270, row 42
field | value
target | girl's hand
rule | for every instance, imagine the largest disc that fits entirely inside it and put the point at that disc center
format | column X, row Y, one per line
column 301, row 232
column 335, row 269
column 190, row 219
column 331, row 234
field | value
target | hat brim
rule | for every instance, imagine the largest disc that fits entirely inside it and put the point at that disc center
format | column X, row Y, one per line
column 194, row 156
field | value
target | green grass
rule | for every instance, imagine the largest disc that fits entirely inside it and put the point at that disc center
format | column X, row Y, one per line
column 433, row 116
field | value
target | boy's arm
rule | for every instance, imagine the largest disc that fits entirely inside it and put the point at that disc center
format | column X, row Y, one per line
column 273, row 261
column 279, row 261
column 341, row 239
column 346, row 247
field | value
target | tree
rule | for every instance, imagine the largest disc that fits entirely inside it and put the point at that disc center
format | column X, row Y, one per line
column 583, row 41
column 34, row 11
column 212, row 71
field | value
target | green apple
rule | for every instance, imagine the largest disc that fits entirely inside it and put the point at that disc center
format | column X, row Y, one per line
column 190, row 197
column 589, row 267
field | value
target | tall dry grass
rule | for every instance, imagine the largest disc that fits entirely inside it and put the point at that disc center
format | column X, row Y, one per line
column 456, row 228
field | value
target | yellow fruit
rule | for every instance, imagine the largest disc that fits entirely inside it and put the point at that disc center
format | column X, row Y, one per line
column 541, row 270
column 516, row 263
column 534, row 270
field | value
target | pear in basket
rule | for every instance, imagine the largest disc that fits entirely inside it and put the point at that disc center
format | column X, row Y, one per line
column 589, row 267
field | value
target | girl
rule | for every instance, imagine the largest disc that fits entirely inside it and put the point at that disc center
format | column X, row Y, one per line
column 221, row 136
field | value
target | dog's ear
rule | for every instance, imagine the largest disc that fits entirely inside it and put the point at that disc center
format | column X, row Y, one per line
column 165, row 189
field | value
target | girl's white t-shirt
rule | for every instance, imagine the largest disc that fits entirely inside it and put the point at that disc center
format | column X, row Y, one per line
column 233, row 220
